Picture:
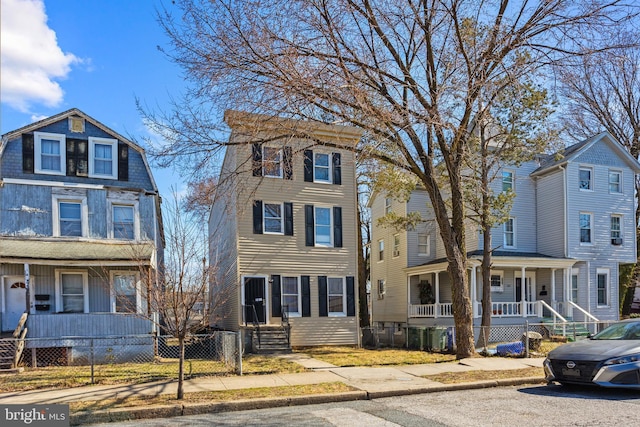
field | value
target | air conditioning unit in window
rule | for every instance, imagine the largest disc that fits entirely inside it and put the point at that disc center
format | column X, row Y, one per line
column 617, row 241
column 396, row 253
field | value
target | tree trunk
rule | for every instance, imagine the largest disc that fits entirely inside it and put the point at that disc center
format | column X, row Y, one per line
column 485, row 325
column 363, row 276
column 180, row 394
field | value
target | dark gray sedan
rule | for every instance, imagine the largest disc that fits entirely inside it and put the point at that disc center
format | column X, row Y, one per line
column 610, row 358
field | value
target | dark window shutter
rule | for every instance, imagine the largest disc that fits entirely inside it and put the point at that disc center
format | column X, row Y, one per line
column 308, row 165
column 309, row 238
column 123, row 162
column 82, row 159
column 337, row 227
column 337, row 169
column 351, row 296
column 27, row 153
column 306, row 296
column 256, row 162
column 71, row 156
column 276, row 305
column 257, row 217
column 322, row 296
column 287, row 162
column 288, row 219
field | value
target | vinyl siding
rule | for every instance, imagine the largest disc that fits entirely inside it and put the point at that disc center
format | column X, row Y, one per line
column 550, row 212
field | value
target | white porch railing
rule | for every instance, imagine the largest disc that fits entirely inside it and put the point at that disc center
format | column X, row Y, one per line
column 513, row 309
column 430, row 310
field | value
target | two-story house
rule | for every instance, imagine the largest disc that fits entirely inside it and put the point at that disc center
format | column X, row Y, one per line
column 283, row 229
column 79, row 220
column 571, row 225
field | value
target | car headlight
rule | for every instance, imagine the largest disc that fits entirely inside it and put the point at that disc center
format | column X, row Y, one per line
column 624, row 359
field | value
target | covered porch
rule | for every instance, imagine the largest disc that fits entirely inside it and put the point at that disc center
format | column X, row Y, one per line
column 522, row 286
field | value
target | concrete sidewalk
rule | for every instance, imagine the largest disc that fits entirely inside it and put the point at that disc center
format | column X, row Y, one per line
column 375, row 381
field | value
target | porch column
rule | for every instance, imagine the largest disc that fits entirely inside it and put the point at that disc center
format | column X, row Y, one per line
column 553, row 289
column 567, row 291
column 474, row 291
column 28, row 291
column 523, row 289
column 436, row 306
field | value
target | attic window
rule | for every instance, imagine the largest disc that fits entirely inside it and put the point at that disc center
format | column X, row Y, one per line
column 76, row 124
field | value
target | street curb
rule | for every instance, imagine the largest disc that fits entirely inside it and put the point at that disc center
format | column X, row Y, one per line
column 165, row 411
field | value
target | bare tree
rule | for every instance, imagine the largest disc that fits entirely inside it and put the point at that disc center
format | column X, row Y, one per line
column 178, row 291
column 409, row 73
column 603, row 93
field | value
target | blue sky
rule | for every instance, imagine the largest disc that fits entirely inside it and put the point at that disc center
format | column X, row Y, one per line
column 95, row 55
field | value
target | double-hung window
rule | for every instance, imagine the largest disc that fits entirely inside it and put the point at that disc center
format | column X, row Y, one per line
column 616, row 229
column 72, row 295
column 507, row 181
column 50, row 153
column 496, row 281
column 123, row 222
column 70, row 218
column 396, row 245
column 272, row 162
column 387, row 205
column 585, row 176
column 602, row 275
column 615, row 182
column 585, row 227
column 291, row 298
column 321, row 167
column 323, row 226
column 509, row 233
column 272, row 218
column 337, row 298
column 103, row 155
column 423, row 244
column 381, row 250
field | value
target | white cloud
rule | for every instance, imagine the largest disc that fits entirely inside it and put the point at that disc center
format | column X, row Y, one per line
column 31, row 60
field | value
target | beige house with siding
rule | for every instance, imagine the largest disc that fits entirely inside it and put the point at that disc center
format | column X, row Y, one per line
column 283, row 230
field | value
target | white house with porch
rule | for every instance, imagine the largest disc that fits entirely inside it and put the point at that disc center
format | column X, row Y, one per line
column 571, row 226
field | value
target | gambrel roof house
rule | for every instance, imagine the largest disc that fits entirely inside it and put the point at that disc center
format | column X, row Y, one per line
column 283, row 230
column 79, row 217
column 571, row 226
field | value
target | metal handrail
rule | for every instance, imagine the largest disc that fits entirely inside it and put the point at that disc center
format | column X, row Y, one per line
column 284, row 322
column 256, row 323
column 585, row 312
column 555, row 315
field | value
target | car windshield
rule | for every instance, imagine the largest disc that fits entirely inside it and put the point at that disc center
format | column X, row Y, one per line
column 620, row 331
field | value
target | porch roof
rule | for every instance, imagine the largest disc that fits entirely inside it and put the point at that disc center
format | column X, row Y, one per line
column 500, row 259
column 75, row 252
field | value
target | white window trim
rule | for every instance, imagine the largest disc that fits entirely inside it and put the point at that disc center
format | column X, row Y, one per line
column 575, row 272
column 606, row 272
column 621, row 231
column 428, row 251
column 281, row 154
column 37, row 152
column 136, row 218
column 380, row 259
column 504, row 233
column 497, row 273
column 291, row 313
column 591, row 178
column 84, row 213
column 264, row 218
column 114, row 157
column 382, row 290
column 85, row 288
column 330, row 168
column 592, row 233
column 388, row 204
column 513, row 179
column 619, row 172
column 113, row 273
column 396, row 248
column 342, row 313
column 315, row 226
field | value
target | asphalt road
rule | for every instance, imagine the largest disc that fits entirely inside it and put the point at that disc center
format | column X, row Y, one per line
column 502, row 406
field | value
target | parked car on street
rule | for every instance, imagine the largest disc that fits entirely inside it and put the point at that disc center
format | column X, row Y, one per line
column 610, row 358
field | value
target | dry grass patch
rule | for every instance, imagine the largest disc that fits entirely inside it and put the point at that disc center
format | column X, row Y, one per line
column 213, row 396
column 137, row 373
column 470, row 376
column 350, row 356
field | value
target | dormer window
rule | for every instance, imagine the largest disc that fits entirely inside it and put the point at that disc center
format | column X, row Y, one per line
column 103, row 153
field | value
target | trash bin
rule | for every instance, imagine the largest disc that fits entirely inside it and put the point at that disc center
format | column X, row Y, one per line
column 439, row 339
column 417, row 339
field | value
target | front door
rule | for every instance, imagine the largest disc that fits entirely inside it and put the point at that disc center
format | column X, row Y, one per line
column 254, row 297
column 15, row 294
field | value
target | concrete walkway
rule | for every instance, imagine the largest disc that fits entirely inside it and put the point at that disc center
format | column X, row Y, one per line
column 375, row 381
